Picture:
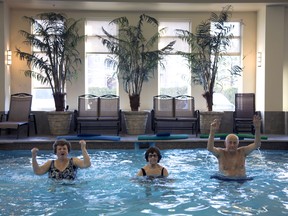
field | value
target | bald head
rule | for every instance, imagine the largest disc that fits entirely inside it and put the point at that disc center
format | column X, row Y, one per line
column 231, row 139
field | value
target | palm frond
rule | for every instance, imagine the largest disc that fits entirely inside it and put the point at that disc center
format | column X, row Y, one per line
column 121, row 21
column 135, row 56
column 208, row 46
column 57, row 38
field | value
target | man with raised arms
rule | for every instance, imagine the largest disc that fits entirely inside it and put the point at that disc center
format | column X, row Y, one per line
column 231, row 159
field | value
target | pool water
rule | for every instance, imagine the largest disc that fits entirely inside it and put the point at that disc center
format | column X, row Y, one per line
column 109, row 186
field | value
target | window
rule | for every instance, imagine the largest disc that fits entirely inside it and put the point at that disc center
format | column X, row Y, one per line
column 227, row 85
column 42, row 93
column 99, row 78
column 42, row 96
column 174, row 79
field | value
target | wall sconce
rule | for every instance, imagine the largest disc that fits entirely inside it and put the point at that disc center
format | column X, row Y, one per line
column 9, row 57
column 259, row 59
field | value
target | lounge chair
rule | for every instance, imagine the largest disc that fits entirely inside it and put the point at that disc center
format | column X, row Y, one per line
column 174, row 113
column 244, row 112
column 98, row 113
column 18, row 115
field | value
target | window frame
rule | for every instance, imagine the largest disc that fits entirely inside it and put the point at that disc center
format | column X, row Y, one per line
column 185, row 77
column 113, row 74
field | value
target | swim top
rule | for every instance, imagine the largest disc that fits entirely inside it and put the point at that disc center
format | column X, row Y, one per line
column 69, row 173
column 144, row 172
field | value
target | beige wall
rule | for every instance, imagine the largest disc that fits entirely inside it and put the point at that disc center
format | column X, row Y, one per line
column 285, row 64
column 4, row 68
column 272, row 76
column 274, row 58
column 2, row 58
column 260, row 69
column 249, row 51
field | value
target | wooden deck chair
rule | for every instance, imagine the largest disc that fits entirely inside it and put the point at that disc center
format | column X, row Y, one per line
column 18, row 114
column 110, row 112
column 244, row 112
column 162, row 110
column 185, row 112
column 87, row 112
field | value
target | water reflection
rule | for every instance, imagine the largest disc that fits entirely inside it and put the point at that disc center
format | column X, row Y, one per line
column 110, row 187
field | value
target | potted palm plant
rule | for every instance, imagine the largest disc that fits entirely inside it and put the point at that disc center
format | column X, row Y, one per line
column 208, row 45
column 55, row 37
column 135, row 58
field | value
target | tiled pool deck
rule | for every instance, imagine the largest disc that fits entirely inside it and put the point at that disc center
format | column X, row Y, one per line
column 9, row 142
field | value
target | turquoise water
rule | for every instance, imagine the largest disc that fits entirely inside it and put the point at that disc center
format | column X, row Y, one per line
column 109, row 186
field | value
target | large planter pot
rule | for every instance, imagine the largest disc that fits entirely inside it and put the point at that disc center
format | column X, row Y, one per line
column 135, row 121
column 59, row 122
column 206, row 118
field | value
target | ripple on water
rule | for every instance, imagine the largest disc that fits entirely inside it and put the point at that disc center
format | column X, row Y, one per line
column 108, row 187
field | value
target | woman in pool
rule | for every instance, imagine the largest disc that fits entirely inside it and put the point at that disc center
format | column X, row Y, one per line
column 232, row 158
column 153, row 168
column 63, row 167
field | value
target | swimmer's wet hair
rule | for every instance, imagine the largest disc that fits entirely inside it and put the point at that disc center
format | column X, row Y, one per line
column 152, row 150
column 61, row 142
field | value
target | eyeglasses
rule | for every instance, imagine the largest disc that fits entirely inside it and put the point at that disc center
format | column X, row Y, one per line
column 152, row 155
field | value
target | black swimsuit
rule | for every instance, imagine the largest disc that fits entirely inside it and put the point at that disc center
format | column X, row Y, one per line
column 68, row 173
column 144, row 172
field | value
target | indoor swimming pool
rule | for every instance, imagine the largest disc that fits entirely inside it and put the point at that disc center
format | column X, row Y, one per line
column 109, row 186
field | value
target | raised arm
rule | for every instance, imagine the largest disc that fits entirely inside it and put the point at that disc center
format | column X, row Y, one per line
column 85, row 163
column 257, row 141
column 39, row 170
column 210, row 144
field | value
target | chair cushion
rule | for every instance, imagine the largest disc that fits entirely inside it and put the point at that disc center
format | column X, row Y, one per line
column 108, row 118
column 12, row 125
column 86, row 118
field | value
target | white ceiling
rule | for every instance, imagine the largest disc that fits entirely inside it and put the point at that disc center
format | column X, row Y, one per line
column 140, row 5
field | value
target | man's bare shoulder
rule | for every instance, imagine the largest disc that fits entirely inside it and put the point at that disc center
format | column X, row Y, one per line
column 221, row 149
column 248, row 149
column 218, row 151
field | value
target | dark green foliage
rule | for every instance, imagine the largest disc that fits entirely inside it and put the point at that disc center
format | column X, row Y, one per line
column 55, row 38
column 208, row 45
column 136, row 56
